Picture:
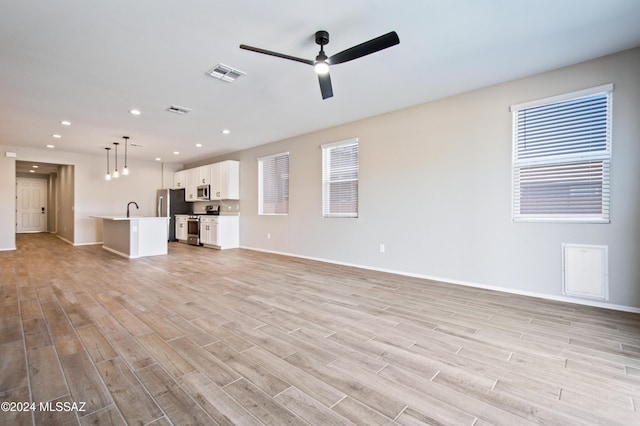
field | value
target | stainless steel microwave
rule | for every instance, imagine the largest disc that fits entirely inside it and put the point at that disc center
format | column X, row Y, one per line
column 203, row 192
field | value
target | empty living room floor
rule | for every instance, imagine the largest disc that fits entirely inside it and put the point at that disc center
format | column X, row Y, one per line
column 242, row 337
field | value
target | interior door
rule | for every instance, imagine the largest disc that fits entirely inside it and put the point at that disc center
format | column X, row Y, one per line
column 31, row 205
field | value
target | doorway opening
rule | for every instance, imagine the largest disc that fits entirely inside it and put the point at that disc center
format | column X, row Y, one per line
column 42, row 191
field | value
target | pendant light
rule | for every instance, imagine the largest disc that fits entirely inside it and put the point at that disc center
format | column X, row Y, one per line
column 125, row 170
column 108, row 175
column 115, row 172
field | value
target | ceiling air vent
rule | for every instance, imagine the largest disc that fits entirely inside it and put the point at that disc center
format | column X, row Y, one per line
column 225, row 73
column 179, row 110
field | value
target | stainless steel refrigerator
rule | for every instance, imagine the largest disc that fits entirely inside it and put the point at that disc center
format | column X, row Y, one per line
column 170, row 202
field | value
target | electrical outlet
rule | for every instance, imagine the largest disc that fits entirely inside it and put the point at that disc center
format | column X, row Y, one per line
column 268, row 235
column 381, row 248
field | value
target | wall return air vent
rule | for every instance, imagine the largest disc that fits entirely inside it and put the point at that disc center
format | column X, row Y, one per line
column 225, row 73
column 179, row 110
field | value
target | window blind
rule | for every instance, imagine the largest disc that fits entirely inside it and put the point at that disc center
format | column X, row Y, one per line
column 340, row 179
column 273, row 185
column 562, row 153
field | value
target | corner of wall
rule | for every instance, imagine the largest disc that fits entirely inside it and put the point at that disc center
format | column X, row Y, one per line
column 7, row 203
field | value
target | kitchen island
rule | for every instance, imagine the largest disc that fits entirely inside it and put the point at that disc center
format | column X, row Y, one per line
column 134, row 237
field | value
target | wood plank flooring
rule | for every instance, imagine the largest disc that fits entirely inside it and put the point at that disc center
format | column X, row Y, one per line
column 239, row 337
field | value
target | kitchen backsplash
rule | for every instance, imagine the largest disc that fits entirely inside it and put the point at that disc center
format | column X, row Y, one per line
column 226, row 207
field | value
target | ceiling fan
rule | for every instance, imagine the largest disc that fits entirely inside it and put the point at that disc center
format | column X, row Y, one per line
column 322, row 62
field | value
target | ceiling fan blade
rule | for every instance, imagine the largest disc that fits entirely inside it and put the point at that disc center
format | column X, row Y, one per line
column 276, row 54
column 325, row 85
column 366, row 48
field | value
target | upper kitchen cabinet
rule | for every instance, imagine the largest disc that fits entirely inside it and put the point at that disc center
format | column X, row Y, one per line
column 192, row 178
column 225, row 180
column 180, row 179
column 204, row 175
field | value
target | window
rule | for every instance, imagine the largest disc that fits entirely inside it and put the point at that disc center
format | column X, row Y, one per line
column 340, row 179
column 273, row 184
column 561, row 157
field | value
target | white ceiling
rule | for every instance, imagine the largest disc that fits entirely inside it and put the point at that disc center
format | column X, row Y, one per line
column 90, row 62
column 36, row 169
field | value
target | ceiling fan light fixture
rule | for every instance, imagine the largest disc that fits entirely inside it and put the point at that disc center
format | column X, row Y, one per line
column 321, row 67
column 321, row 63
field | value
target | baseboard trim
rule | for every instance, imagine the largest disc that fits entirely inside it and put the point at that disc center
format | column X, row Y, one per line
column 64, row 239
column 8, row 249
column 119, row 253
column 77, row 244
column 593, row 303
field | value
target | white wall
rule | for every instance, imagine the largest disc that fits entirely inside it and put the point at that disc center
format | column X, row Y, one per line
column 435, row 188
column 168, row 170
column 91, row 195
column 7, row 201
column 66, row 192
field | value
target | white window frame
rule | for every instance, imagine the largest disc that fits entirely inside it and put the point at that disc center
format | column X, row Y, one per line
column 327, row 179
column 596, row 163
column 281, row 192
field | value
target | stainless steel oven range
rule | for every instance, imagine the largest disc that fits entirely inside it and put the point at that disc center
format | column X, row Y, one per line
column 193, row 230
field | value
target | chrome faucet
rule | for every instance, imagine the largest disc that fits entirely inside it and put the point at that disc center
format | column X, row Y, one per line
column 131, row 202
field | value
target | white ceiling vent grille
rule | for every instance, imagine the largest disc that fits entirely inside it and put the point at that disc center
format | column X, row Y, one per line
column 225, row 73
column 179, row 110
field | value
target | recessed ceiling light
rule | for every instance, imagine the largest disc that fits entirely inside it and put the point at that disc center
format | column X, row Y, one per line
column 65, row 123
column 198, row 145
column 158, row 159
column 34, row 166
column 226, row 131
column 51, row 146
column 176, row 152
column 134, row 112
column 32, row 171
column 57, row 136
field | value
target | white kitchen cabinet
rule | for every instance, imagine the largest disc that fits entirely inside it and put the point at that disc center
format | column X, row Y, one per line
column 209, row 231
column 180, row 179
column 181, row 228
column 191, row 186
column 225, row 180
column 221, row 232
column 216, row 181
column 204, row 175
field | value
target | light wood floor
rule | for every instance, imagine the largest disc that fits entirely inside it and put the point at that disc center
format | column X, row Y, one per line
column 239, row 337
